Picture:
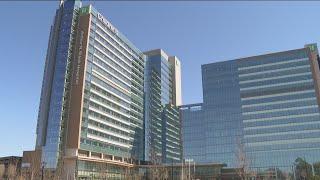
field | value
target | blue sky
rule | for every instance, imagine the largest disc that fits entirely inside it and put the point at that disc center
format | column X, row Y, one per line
column 196, row 32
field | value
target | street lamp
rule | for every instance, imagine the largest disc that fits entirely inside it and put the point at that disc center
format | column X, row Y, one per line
column 172, row 169
column 42, row 169
column 182, row 169
column 189, row 161
column 194, row 169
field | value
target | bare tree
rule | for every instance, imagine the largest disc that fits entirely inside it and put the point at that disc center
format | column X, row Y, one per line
column 31, row 168
column 128, row 173
column 2, row 170
column 157, row 170
column 102, row 171
column 154, row 159
column 243, row 162
column 48, row 174
column 11, row 171
column 184, row 171
column 59, row 170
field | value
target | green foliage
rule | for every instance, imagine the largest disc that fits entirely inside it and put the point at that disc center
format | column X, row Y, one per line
column 316, row 177
column 316, row 167
column 304, row 170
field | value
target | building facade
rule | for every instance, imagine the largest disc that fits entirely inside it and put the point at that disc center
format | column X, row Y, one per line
column 212, row 129
column 92, row 98
column 194, row 140
column 162, row 96
column 188, row 171
column 280, row 107
column 268, row 103
column 101, row 111
column 55, row 82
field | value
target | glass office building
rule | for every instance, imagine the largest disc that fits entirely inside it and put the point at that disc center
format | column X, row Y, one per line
column 216, row 123
column 162, row 95
column 171, row 135
column 194, row 140
column 112, row 117
column 269, row 103
column 56, row 83
column 91, row 107
column 92, row 122
column 280, row 107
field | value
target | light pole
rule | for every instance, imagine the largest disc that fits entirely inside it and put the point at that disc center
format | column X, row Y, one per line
column 194, row 170
column 312, row 168
column 182, row 167
column 294, row 171
column 42, row 169
column 189, row 170
column 189, row 161
column 172, row 169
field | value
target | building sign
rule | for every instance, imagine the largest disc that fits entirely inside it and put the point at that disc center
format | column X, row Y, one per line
column 107, row 23
column 85, row 10
column 80, row 52
column 312, row 47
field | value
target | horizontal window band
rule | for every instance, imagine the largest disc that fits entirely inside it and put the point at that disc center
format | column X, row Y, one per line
column 281, row 125
column 279, row 118
column 278, row 102
column 275, row 70
column 292, row 141
column 280, row 90
column 310, row 110
column 279, row 110
column 283, row 150
column 271, row 64
column 276, row 84
column 274, row 67
column 274, row 78
column 281, row 133
column 277, row 81
column 275, row 74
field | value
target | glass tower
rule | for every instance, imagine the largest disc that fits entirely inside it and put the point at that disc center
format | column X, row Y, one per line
column 162, row 95
column 194, row 140
column 56, row 83
column 92, row 99
column 280, row 107
column 268, row 103
column 216, row 124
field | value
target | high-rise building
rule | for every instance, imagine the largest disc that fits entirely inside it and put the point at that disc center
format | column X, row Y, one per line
column 91, row 107
column 162, row 96
column 266, row 106
column 91, row 116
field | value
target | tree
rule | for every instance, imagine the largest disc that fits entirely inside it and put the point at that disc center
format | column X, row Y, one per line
column 316, row 170
column 32, row 168
column 276, row 173
column 12, row 171
column 316, row 177
column 316, row 167
column 303, row 170
column 157, row 171
column 59, row 172
column 102, row 171
column 281, row 174
column 242, row 161
column 2, row 170
column 49, row 174
column 184, row 171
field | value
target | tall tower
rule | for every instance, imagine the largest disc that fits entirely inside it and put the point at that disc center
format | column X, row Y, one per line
column 162, row 95
column 176, row 80
column 52, row 117
column 91, row 107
